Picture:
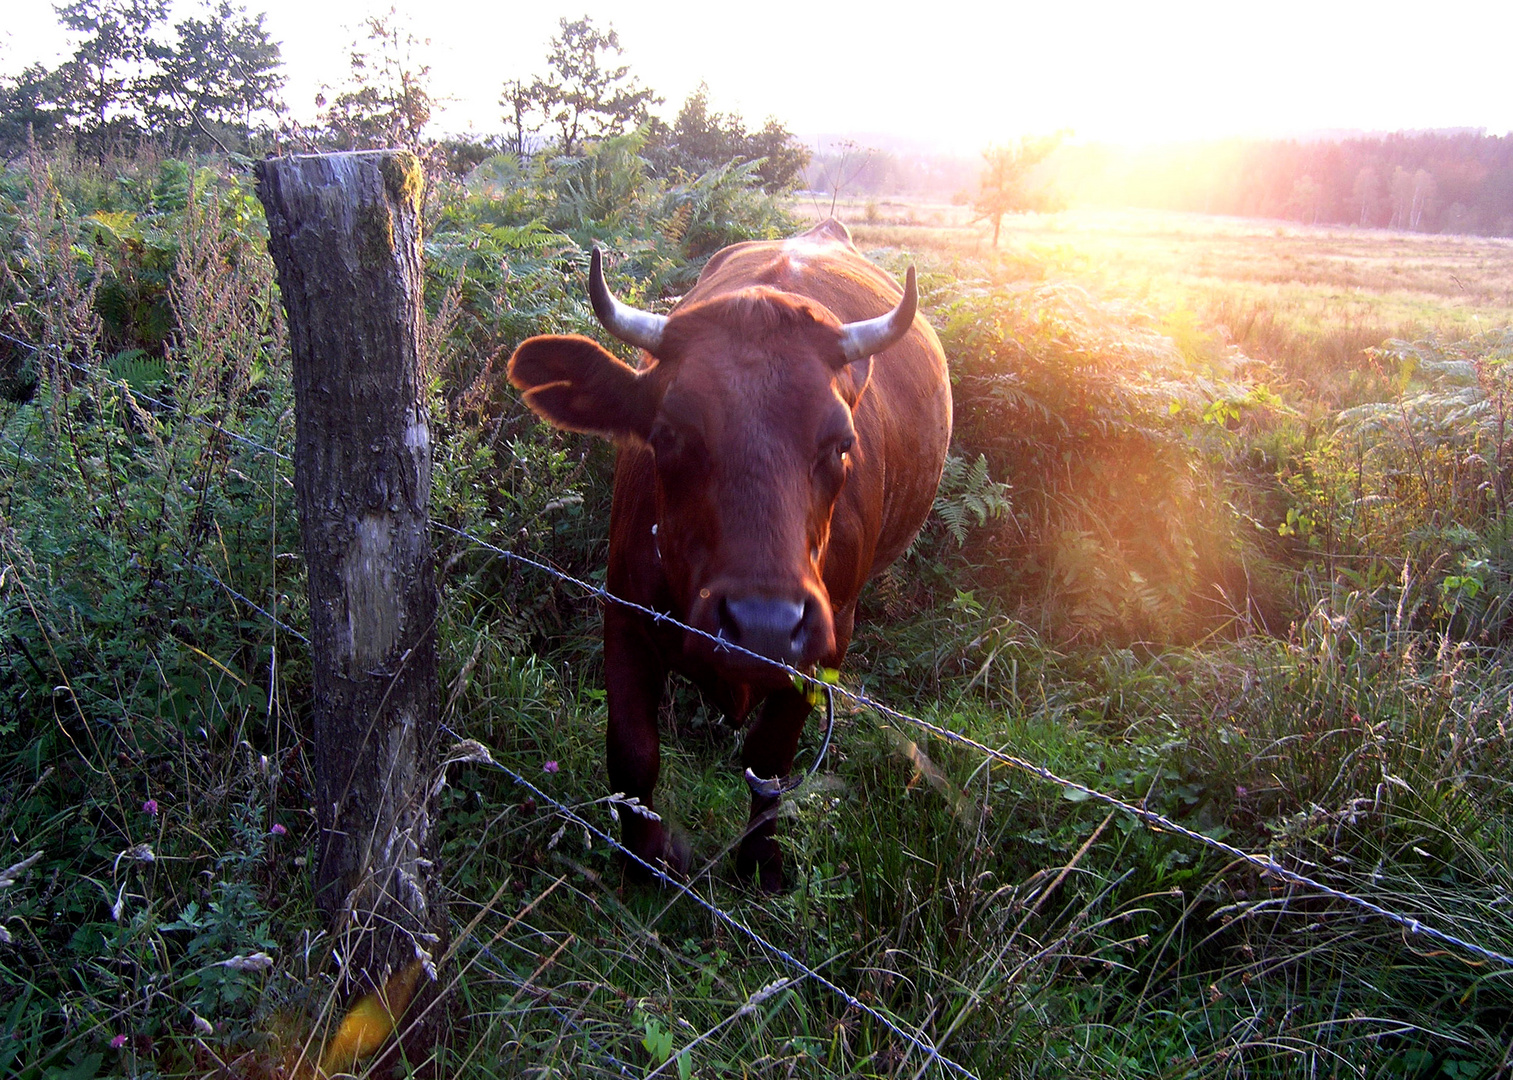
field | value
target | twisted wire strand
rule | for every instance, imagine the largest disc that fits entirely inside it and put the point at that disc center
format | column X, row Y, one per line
column 1264, row 863
column 932, row 1054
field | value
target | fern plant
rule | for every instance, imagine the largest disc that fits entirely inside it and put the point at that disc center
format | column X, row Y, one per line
column 968, row 497
column 1410, row 494
column 1118, row 452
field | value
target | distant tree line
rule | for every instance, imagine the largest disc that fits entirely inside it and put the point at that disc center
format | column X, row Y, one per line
column 1437, row 181
column 212, row 82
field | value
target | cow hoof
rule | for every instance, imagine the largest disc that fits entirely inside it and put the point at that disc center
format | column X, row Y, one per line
column 673, row 857
column 762, row 868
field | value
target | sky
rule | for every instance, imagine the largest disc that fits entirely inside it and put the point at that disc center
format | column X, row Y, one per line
column 949, row 75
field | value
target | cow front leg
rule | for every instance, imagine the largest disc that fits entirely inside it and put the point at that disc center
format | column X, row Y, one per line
column 634, row 677
column 769, row 750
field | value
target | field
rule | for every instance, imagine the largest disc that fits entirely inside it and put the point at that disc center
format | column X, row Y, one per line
column 1182, row 256
column 1225, row 535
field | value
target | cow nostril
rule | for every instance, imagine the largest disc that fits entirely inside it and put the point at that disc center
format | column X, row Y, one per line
column 729, row 628
column 774, row 628
column 800, row 636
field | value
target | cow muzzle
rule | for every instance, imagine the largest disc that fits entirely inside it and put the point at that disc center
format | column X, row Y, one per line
column 777, row 629
column 792, row 631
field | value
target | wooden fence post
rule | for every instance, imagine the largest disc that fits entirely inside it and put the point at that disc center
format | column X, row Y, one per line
column 344, row 231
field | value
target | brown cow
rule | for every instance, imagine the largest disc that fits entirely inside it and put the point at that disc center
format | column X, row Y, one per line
column 780, row 443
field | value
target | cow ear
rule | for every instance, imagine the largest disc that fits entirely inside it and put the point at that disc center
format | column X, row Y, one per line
column 572, row 383
column 851, row 380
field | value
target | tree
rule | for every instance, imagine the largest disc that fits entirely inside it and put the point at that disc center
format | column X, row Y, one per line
column 387, row 100
column 1366, row 194
column 583, row 97
column 104, row 88
column 518, row 99
column 784, row 158
column 1402, row 198
column 221, row 73
column 700, row 140
column 1307, row 198
column 1004, row 186
column 1424, row 191
column 33, row 105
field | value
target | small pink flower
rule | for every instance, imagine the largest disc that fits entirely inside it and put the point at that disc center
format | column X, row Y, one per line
column 551, row 766
column 1240, row 791
column 278, row 830
column 118, row 1042
column 149, row 807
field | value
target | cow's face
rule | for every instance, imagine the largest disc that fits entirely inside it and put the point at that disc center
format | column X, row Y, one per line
column 748, row 414
column 753, row 439
column 747, row 410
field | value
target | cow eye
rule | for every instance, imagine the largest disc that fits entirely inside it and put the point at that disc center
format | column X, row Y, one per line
column 664, row 441
column 675, row 449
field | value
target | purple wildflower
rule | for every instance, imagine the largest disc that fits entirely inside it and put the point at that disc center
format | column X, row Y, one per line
column 551, row 766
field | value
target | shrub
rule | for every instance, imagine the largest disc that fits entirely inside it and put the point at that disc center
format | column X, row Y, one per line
column 1408, row 498
column 1120, row 458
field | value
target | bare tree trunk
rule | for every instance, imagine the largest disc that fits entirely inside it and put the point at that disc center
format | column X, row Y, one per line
column 344, row 231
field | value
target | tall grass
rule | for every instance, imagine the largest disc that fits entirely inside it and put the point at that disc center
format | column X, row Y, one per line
column 1122, row 481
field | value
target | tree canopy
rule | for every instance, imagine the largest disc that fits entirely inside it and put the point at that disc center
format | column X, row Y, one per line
column 212, row 81
column 701, row 139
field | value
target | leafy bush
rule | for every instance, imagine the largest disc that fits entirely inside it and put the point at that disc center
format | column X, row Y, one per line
column 1409, row 497
column 1120, row 457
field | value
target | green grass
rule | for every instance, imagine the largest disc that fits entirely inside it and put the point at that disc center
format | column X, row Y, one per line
column 938, row 890
column 1025, row 931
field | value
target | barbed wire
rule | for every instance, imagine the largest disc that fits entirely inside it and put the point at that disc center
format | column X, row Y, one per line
column 922, row 1045
column 197, row 568
column 1263, row 863
column 931, row 1053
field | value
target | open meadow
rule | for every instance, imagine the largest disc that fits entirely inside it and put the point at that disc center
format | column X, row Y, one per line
column 1224, row 534
column 1302, row 296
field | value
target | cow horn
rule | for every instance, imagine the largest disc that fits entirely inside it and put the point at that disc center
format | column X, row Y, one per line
column 631, row 325
column 862, row 339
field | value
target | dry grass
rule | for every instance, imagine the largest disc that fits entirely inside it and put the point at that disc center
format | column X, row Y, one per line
column 1177, row 260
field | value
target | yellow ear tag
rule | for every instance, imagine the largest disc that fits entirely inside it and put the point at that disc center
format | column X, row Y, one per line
column 812, row 686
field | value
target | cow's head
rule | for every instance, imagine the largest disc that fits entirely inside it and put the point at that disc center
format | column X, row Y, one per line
column 746, row 403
